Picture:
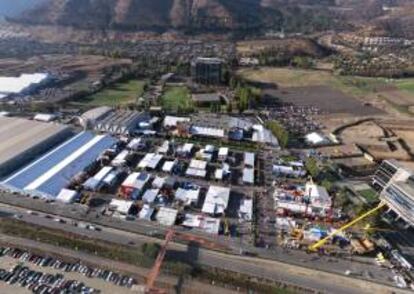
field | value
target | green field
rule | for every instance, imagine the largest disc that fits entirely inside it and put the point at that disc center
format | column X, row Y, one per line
column 355, row 85
column 176, row 99
column 406, row 85
column 370, row 195
column 115, row 95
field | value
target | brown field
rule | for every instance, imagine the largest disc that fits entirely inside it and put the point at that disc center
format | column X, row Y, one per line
column 327, row 99
column 397, row 97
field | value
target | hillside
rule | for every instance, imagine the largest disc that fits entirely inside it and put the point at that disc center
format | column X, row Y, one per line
column 186, row 15
column 199, row 16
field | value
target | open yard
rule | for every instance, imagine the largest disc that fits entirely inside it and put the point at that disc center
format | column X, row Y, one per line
column 325, row 98
column 176, row 99
column 115, row 95
column 397, row 92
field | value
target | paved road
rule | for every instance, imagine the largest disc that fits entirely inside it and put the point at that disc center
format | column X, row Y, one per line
column 278, row 271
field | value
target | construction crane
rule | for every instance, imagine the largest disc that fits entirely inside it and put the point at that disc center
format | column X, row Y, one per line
column 322, row 242
column 155, row 271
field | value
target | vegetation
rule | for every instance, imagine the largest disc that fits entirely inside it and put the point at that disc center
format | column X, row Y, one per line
column 143, row 258
column 312, row 167
column 369, row 194
column 116, row 95
column 177, row 99
column 279, row 132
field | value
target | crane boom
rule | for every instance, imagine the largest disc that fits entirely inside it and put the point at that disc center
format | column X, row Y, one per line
column 320, row 243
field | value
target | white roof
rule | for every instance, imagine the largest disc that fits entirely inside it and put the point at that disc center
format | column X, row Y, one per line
column 103, row 173
column 150, row 160
column 195, row 172
column 188, row 147
column 44, row 117
column 172, row 121
column 216, row 201
column 121, row 206
column 248, row 175
column 4, row 113
column 315, row 138
column 96, row 113
column 263, row 135
column 120, row 159
column 167, row 216
column 146, row 212
column 207, row 224
column 223, row 151
column 219, row 174
column 208, row 132
column 159, row 182
column 249, row 158
column 18, row 84
column 168, row 166
column 187, row 196
column 150, row 195
column 246, row 209
column 67, row 196
column 198, row 164
column 136, row 180
column 135, row 143
column 318, row 195
column 164, row 147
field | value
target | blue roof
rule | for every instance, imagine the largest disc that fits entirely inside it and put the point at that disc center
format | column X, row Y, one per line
column 46, row 176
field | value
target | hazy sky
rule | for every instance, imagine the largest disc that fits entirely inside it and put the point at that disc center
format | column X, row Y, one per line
column 12, row 7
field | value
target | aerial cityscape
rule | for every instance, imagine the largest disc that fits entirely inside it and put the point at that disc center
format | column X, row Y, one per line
column 206, row 146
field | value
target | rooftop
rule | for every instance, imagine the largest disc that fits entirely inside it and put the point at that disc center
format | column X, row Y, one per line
column 18, row 136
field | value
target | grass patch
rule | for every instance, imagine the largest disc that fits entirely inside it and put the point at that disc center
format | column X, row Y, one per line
column 352, row 85
column 406, row 85
column 177, row 99
column 369, row 194
column 115, row 95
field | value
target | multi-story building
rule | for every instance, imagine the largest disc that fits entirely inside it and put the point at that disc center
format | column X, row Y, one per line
column 396, row 185
column 208, row 71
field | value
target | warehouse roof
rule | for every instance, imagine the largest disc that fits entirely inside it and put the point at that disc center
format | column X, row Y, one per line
column 216, row 201
column 207, row 132
column 248, row 175
column 46, row 176
column 167, row 216
column 136, row 180
column 173, row 121
column 19, row 136
column 10, row 85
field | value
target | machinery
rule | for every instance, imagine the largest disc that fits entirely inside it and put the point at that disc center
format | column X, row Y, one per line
column 322, row 242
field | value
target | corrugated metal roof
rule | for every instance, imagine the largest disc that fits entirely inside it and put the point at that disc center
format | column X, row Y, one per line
column 46, row 176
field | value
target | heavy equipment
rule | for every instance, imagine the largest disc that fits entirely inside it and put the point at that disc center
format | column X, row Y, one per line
column 322, row 242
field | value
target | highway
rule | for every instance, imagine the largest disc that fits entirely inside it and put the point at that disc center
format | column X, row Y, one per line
column 273, row 270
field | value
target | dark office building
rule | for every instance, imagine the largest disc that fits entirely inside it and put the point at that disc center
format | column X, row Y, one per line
column 207, row 71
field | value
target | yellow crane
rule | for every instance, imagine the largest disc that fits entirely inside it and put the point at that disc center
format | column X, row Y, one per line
column 321, row 242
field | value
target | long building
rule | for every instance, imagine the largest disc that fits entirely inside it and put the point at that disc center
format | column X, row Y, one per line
column 396, row 185
column 48, row 175
column 22, row 140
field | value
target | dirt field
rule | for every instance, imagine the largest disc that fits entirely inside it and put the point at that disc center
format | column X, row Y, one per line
column 365, row 89
column 92, row 65
column 327, row 99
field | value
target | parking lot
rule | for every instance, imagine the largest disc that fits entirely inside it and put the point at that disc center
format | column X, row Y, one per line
column 24, row 272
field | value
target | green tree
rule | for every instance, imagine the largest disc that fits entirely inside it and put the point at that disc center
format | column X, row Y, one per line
column 279, row 132
column 312, row 167
column 151, row 250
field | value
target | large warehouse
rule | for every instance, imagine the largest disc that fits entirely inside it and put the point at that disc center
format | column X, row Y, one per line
column 48, row 175
column 22, row 140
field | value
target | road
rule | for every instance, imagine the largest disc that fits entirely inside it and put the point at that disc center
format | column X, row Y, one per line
column 303, row 275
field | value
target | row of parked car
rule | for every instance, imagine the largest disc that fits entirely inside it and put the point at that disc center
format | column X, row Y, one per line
column 42, row 283
column 90, row 272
